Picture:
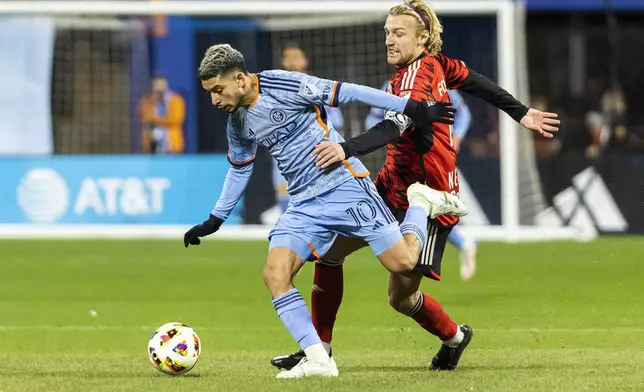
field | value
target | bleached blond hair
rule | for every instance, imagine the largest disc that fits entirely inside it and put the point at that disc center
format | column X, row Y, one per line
column 426, row 19
column 220, row 60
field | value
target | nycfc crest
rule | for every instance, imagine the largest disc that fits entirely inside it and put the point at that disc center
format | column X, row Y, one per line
column 277, row 116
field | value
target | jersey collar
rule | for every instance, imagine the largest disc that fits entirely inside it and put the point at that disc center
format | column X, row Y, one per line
column 420, row 56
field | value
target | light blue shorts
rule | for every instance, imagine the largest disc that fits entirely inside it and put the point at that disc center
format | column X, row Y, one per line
column 353, row 209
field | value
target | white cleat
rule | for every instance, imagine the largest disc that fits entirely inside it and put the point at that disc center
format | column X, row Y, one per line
column 311, row 369
column 440, row 202
column 468, row 260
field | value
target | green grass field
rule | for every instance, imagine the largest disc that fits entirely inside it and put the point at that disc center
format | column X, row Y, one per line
column 546, row 317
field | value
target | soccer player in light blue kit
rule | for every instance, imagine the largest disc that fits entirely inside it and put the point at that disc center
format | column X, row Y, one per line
column 284, row 111
column 462, row 121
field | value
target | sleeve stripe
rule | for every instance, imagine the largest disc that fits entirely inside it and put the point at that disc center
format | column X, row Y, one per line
column 265, row 85
column 240, row 164
column 334, row 95
column 281, row 81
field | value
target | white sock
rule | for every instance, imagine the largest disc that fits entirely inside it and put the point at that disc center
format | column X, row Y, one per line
column 456, row 340
column 317, row 353
column 420, row 201
column 327, row 347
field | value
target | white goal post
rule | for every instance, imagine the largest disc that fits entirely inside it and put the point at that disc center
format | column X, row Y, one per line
column 508, row 61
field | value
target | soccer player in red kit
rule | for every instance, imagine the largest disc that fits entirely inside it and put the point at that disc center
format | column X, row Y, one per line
column 413, row 43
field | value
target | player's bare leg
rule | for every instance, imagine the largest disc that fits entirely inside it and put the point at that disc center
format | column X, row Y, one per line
column 405, row 297
column 403, row 292
column 414, row 245
column 281, row 266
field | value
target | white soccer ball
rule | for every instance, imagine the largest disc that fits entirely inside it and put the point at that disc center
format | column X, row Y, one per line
column 174, row 348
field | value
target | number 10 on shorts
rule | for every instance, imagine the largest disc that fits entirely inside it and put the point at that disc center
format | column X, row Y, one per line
column 363, row 212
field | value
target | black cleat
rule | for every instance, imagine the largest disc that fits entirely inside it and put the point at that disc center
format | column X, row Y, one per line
column 287, row 362
column 447, row 358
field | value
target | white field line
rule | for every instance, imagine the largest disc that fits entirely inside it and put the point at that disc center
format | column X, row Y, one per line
column 101, row 328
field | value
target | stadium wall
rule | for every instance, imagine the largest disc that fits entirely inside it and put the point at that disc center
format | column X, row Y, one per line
column 125, row 196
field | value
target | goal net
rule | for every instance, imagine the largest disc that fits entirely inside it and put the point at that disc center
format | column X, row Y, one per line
column 101, row 69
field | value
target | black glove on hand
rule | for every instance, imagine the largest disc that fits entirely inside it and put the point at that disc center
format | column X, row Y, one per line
column 201, row 230
column 427, row 112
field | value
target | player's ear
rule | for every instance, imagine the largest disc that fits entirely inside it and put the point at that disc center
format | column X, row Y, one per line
column 240, row 80
column 423, row 38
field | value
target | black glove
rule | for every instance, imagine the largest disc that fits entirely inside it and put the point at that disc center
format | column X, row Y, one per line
column 427, row 112
column 201, row 230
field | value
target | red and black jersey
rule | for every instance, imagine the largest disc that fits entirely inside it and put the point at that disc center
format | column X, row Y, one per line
column 417, row 156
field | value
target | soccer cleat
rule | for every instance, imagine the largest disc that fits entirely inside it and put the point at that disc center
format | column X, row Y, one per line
column 287, row 362
column 447, row 357
column 439, row 202
column 468, row 260
column 306, row 368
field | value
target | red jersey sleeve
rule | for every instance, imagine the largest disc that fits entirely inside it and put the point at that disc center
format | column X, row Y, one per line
column 455, row 71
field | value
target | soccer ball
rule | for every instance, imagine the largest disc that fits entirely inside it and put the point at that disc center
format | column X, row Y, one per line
column 174, row 348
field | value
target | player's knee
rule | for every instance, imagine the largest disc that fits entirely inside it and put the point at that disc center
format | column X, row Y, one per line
column 276, row 279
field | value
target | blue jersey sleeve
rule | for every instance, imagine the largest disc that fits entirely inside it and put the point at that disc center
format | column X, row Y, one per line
column 298, row 89
column 375, row 115
column 302, row 90
column 234, row 186
column 241, row 154
column 463, row 117
column 355, row 93
column 241, row 151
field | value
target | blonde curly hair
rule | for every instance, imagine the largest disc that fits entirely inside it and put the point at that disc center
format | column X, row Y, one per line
column 426, row 19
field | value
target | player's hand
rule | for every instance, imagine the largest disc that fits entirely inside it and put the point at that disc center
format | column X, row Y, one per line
column 427, row 112
column 201, row 230
column 327, row 153
column 544, row 123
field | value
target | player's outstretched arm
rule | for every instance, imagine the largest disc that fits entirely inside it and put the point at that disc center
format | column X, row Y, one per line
column 386, row 131
column 535, row 120
column 422, row 113
column 234, row 186
column 316, row 91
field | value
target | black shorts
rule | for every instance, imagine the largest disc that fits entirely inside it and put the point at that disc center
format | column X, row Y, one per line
column 429, row 262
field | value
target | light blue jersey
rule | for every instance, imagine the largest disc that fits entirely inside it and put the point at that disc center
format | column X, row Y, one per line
column 289, row 118
column 335, row 118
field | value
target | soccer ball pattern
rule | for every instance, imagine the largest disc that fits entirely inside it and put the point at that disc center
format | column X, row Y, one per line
column 174, row 348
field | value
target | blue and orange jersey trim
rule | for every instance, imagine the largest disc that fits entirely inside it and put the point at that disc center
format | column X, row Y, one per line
column 242, row 163
column 334, row 94
column 321, row 117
